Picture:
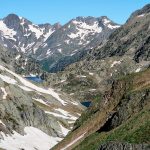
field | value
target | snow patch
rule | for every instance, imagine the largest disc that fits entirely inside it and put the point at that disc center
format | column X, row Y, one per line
column 71, row 94
column 30, row 85
column 67, row 41
column 2, row 123
column 40, row 100
column 33, row 139
column 17, row 57
column 25, row 88
column 92, row 90
column 48, row 34
column 81, row 76
column 65, row 113
column 113, row 26
column 60, row 50
column 49, row 52
column 84, row 29
column 7, row 32
column 8, row 79
column 142, row 15
column 4, row 91
column 90, row 73
column 62, row 114
column 64, row 130
column 114, row 63
column 75, row 103
column 107, row 23
column 138, row 70
column 37, row 31
column 62, row 81
column 44, row 45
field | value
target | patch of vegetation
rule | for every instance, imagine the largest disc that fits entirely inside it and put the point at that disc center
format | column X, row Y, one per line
column 135, row 130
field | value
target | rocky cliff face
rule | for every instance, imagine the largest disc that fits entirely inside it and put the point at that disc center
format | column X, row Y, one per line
column 123, row 146
column 124, row 41
column 21, row 64
column 27, row 66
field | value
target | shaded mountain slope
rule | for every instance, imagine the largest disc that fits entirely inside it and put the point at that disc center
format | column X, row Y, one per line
column 132, row 39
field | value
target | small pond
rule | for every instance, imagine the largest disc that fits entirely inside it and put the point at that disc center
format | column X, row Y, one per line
column 86, row 103
column 35, row 79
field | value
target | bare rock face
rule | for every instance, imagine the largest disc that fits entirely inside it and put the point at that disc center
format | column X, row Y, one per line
column 124, row 41
column 123, row 146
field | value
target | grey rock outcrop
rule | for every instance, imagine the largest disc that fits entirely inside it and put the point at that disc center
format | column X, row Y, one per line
column 123, row 146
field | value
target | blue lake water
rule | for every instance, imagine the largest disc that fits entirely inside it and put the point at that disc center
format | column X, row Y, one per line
column 86, row 104
column 35, row 79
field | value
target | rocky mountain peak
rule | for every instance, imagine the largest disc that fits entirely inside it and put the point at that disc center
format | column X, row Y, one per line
column 12, row 17
column 140, row 12
column 57, row 25
column 145, row 9
column 12, row 20
column 88, row 18
column 45, row 25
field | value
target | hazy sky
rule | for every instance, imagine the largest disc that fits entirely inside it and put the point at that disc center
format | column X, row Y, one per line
column 52, row 11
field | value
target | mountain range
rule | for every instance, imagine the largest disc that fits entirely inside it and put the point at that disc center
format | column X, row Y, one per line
column 88, row 60
column 52, row 44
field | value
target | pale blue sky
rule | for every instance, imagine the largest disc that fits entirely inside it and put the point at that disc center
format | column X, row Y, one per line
column 52, row 11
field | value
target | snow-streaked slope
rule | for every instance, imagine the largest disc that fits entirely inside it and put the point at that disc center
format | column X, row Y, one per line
column 64, row 130
column 31, row 140
column 29, row 84
column 84, row 29
column 4, row 92
column 61, row 112
column 8, row 79
column 20, row 34
column 60, row 115
column 35, row 30
column 108, row 24
column 40, row 101
column 7, row 32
